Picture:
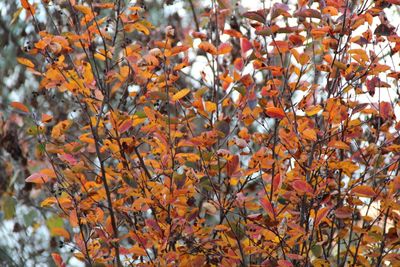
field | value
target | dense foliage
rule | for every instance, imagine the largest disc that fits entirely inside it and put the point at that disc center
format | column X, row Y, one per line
column 264, row 137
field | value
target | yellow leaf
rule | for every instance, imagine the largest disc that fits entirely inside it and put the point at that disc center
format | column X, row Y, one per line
column 48, row 202
column 140, row 27
column 181, row 94
column 311, row 111
column 360, row 52
column 210, row 106
column 16, row 15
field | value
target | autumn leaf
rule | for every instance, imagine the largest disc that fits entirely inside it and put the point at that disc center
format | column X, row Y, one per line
column 224, row 48
column 309, row 134
column 25, row 62
column 245, row 46
column 38, row 178
column 344, row 212
column 275, row 112
column 58, row 260
column 181, row 94
column 232, row 165
column 19, row 106
column 302, row 187
column 363, row 191
column 25, row 4
column 46, row 118
column 208, row 48
column 321, row 214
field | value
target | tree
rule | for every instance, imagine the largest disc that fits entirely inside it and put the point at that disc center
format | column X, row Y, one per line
column 281, row 149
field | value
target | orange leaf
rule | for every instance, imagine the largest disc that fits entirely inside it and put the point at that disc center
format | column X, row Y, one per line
column 309, row 134
column 58, row 231
column 46, row 118
column 25, row 4
column 20, row 106
column 330, row 10
column 320, row 215
column 275, row 112
column 339, row 145
column 208, row 48
column 363, row 191
column 224, row 48
column 137, row 251
column 221, row 227
column 25, row 62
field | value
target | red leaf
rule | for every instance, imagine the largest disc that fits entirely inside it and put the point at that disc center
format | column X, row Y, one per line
column 344, row 212
column 68, row 158
column 238, row 63
column 258, row 15
column 285, row 263
column 58, row 260
column 245, row 46
column 302, row 186
column 308, row 13
column 385, row 110
column 372, row 84
column 232, row 165
column 125, row 126
column 277, row 182
column 266, row 204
